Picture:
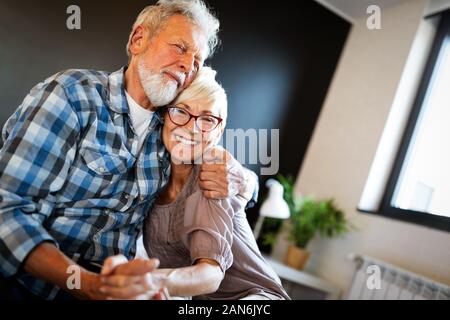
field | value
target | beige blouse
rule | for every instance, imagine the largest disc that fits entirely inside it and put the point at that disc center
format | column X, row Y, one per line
column 194, row 227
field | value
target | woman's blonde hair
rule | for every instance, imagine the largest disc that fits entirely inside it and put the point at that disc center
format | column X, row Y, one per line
column 205, row 86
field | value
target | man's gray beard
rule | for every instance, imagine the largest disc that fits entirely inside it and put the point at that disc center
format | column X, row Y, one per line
column 159, row 91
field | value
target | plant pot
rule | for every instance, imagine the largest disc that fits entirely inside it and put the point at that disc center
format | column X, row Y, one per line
column 296, row 257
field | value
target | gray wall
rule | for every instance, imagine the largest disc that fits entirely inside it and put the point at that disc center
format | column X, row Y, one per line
column 35, row 43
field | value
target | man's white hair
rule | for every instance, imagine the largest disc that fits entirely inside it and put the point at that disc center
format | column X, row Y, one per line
column 154, row 16
column 205, row 86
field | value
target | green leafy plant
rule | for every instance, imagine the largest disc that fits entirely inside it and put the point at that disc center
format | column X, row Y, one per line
column 310, row 216
column 271, row 227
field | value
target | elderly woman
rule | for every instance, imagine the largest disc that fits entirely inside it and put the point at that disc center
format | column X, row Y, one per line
column 205, row 247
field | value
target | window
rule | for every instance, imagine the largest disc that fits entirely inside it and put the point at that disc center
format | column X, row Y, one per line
column 418, row 190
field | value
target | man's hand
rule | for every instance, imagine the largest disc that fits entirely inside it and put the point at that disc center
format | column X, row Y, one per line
column 47, row 262
column 90, row 287
column 123, row 279
column 222, row 176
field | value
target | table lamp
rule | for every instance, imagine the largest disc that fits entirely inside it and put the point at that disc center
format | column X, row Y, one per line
column 273, row 207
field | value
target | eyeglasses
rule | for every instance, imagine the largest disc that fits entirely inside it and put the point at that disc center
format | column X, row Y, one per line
column 204, row 123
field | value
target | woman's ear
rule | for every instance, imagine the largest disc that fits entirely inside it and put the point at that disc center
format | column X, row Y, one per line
column 139, row 40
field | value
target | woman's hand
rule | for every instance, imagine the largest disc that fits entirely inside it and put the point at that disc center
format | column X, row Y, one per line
column 163, row 294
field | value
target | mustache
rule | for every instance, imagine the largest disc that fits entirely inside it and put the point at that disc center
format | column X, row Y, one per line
column 178, row 75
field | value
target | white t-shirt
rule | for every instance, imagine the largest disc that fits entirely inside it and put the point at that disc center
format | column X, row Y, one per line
column 140, row 118
column 141, row 253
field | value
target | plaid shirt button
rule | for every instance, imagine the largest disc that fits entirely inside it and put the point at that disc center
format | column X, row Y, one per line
column 101, row 169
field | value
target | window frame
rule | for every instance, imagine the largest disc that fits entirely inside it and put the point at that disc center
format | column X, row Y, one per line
column 386, row 208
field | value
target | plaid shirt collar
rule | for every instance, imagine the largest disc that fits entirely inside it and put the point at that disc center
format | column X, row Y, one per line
column 117, row 100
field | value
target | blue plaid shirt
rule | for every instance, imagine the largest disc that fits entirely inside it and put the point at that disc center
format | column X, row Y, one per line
column 71, row 173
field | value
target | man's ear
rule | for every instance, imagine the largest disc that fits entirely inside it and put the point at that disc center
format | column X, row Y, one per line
column 139, row 40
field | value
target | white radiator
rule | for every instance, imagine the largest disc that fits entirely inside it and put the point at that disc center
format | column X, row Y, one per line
column 377, row 280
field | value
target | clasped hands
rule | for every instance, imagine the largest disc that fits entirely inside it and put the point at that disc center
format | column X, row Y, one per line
column 121, row 279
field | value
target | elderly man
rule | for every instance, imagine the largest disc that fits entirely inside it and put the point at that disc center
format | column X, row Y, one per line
column 82, row 158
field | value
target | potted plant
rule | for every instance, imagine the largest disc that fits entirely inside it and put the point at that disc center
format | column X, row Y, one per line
column 309, row 217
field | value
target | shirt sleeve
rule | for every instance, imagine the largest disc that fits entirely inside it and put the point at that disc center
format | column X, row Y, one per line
column 208, row 231
column 39, row 145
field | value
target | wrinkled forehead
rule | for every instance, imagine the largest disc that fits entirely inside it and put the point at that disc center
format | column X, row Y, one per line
column 181, row 29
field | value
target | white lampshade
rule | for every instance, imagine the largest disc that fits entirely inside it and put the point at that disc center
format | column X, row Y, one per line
column 275, row 206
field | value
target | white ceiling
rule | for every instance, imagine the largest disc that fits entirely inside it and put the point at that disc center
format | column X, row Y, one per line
column 351, row 10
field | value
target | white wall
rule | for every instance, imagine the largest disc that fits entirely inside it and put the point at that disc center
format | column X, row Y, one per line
column 343, row 147
column 437, row 6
